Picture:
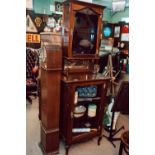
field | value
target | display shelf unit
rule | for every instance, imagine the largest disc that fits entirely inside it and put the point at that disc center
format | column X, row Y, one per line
column 82, row 24
column 68, row 121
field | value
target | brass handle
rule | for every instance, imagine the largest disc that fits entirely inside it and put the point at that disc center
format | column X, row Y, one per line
column 72, row 115
column 104, row 86
column 71, row 32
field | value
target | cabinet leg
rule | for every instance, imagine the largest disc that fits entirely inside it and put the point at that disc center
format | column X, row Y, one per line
column 67, row 149
column 121, row 148
column 99, row 140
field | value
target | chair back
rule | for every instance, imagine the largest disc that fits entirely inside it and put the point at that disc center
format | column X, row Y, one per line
column 122, row 99
column 32, row 60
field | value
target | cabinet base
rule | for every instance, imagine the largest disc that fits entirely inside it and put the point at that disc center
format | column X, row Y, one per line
column 49, row 153
column 49, row 141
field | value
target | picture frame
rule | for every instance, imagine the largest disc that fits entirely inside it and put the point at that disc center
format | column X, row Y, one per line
column 58, row 6
column 117, row 31
column 125, row 37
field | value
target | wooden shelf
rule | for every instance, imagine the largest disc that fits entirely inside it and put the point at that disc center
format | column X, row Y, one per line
column 82, row 133
column 86, row 121
column 81, row 99
column 84, row 136
column 82, row 57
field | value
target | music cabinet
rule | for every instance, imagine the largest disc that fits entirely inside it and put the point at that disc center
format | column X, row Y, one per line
column 83, row 90
column 51, row 65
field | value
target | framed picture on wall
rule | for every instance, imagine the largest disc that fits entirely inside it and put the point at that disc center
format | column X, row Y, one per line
column 125, row 33
column 117, row 31
column 125, row 37
column 58, row 6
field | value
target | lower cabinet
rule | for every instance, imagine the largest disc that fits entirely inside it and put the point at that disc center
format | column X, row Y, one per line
column 82, row 108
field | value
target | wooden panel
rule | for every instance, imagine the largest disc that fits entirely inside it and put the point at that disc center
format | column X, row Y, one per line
column 78, row 6
column 44, row 97
column 50, row 101
column 50, row 141
column 86, row 136
column 54, row 57
column 98, row 33
column 67, row 99
column 54, row 98
column 122, row 98
column 50, row 98
column 66, row 16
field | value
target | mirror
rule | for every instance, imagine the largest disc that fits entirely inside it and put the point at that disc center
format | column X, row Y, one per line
column 85, row 32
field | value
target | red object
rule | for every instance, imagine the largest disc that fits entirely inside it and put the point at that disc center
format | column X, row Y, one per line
column 35, row 69
column 28, row 81
column 126, row 52
column 125, row 29
column 124, row 67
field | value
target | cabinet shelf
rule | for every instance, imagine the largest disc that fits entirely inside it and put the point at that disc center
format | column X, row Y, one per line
column 82, row 125
column 83, row 133
column 83, row 122
column 81, row 99
column 82, row 57
column 76, row 137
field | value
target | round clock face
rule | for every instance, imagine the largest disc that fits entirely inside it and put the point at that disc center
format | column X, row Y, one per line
column 107, row 31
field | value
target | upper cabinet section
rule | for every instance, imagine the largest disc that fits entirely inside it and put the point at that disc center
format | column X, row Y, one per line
column 82, row 29
column 85, row 32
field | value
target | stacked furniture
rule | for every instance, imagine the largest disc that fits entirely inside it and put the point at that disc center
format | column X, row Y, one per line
column 83, row 89
column 72, row 91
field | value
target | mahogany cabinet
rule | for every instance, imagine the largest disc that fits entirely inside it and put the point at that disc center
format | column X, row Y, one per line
column 82, row 24
column 82, row 88
column 50, row 80
column 87, row 90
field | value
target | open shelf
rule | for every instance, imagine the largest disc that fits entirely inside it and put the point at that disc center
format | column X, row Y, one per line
column 83, row 121
column 81, row 99
column 83, row 133
column 82, row 125
column 84, row 136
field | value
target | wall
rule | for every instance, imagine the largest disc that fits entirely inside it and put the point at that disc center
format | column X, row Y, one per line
column 44, row 6
column 47, row 7
column 106, row 15
column 115, row 17
column 119, row 15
